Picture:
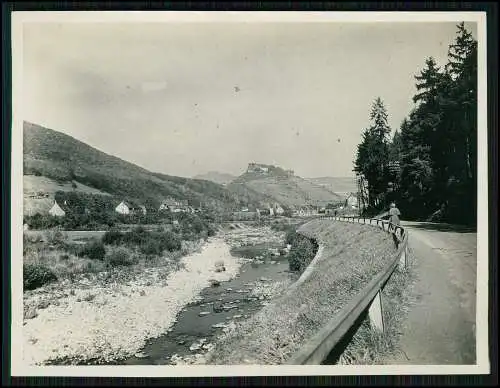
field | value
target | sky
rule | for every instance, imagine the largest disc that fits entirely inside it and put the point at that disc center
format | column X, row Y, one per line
column 188, row 98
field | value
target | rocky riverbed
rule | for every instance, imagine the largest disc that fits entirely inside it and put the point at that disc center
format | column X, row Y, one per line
column 218, row 309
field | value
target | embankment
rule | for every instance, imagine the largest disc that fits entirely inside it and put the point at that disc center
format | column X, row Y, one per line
column 348, row 258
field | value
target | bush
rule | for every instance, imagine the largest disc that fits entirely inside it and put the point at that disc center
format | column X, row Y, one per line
column 152, row 247
column 137, row 236
column 302, row 252
column 119, row 257
column 36, row 275
column 42, row 221
column 94, row 250
column 291, row 236
column 170, row 241
column 112, row 237
column 211, row 231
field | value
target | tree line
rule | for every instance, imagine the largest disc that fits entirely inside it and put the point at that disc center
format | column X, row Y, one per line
column 429, row 166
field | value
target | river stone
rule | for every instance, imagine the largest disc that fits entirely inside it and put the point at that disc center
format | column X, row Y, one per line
column 141, row 355
column 194, row 347
column 217, row 307
column 214, row 283
column 43, row 304
column 208, row 347
column 203, row 313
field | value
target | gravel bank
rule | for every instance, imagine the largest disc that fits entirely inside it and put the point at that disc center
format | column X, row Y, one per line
column 114, row 320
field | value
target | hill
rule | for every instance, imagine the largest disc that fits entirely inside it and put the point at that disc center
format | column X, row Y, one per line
column 216, row 177
column 60, row 161
column 339, row 185
column 282, row 186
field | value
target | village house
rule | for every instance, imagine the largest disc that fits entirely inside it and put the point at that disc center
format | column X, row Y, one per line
column 56, row 210
column 351, row 201
column 278, row 210
column 307, row 210
column 174, row 206
column 127, row 208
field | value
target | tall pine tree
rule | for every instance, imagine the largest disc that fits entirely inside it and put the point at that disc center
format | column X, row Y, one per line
column 372, row 161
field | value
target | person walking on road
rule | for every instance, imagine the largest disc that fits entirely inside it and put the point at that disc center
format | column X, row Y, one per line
column 394, row 214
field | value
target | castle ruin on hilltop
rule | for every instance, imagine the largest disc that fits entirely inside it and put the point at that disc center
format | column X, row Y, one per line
column 265, row 169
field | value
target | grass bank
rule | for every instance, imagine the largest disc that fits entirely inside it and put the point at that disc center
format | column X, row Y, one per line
column 351, row 255
column 371, row 347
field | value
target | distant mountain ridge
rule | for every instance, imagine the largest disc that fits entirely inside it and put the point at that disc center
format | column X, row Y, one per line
column 216, row 177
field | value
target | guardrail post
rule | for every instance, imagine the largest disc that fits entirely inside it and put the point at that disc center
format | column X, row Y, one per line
column 375, row 313
column 403, row 260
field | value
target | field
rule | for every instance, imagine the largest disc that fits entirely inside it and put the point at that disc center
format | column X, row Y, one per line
column 72, row 235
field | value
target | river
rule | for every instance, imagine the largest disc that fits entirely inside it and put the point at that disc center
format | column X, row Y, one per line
column 199, row 324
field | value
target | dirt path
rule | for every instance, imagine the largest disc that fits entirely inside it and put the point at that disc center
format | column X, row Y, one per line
column 440, row 327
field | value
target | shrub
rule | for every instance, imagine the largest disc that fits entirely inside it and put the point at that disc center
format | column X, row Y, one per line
column 170, row 241
column 55, row 237
column 36, row 275
column 94, row 250
column 137, row 236
column 291, row 236
column 112, row 237
column 151, row 247
column 119, row 257
column 301, row 254
column 211, row 231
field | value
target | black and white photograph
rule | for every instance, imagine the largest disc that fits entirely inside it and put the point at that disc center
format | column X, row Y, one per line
column 248, row 193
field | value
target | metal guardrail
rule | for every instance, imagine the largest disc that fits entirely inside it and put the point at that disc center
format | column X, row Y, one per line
column 322, row 343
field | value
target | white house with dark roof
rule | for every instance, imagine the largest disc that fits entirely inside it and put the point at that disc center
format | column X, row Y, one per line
column 174, row 205
column 56, row 210
column 123, row 208
column 126, row 207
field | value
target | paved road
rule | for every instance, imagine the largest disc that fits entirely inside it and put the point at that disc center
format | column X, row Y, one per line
column 440, row 327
